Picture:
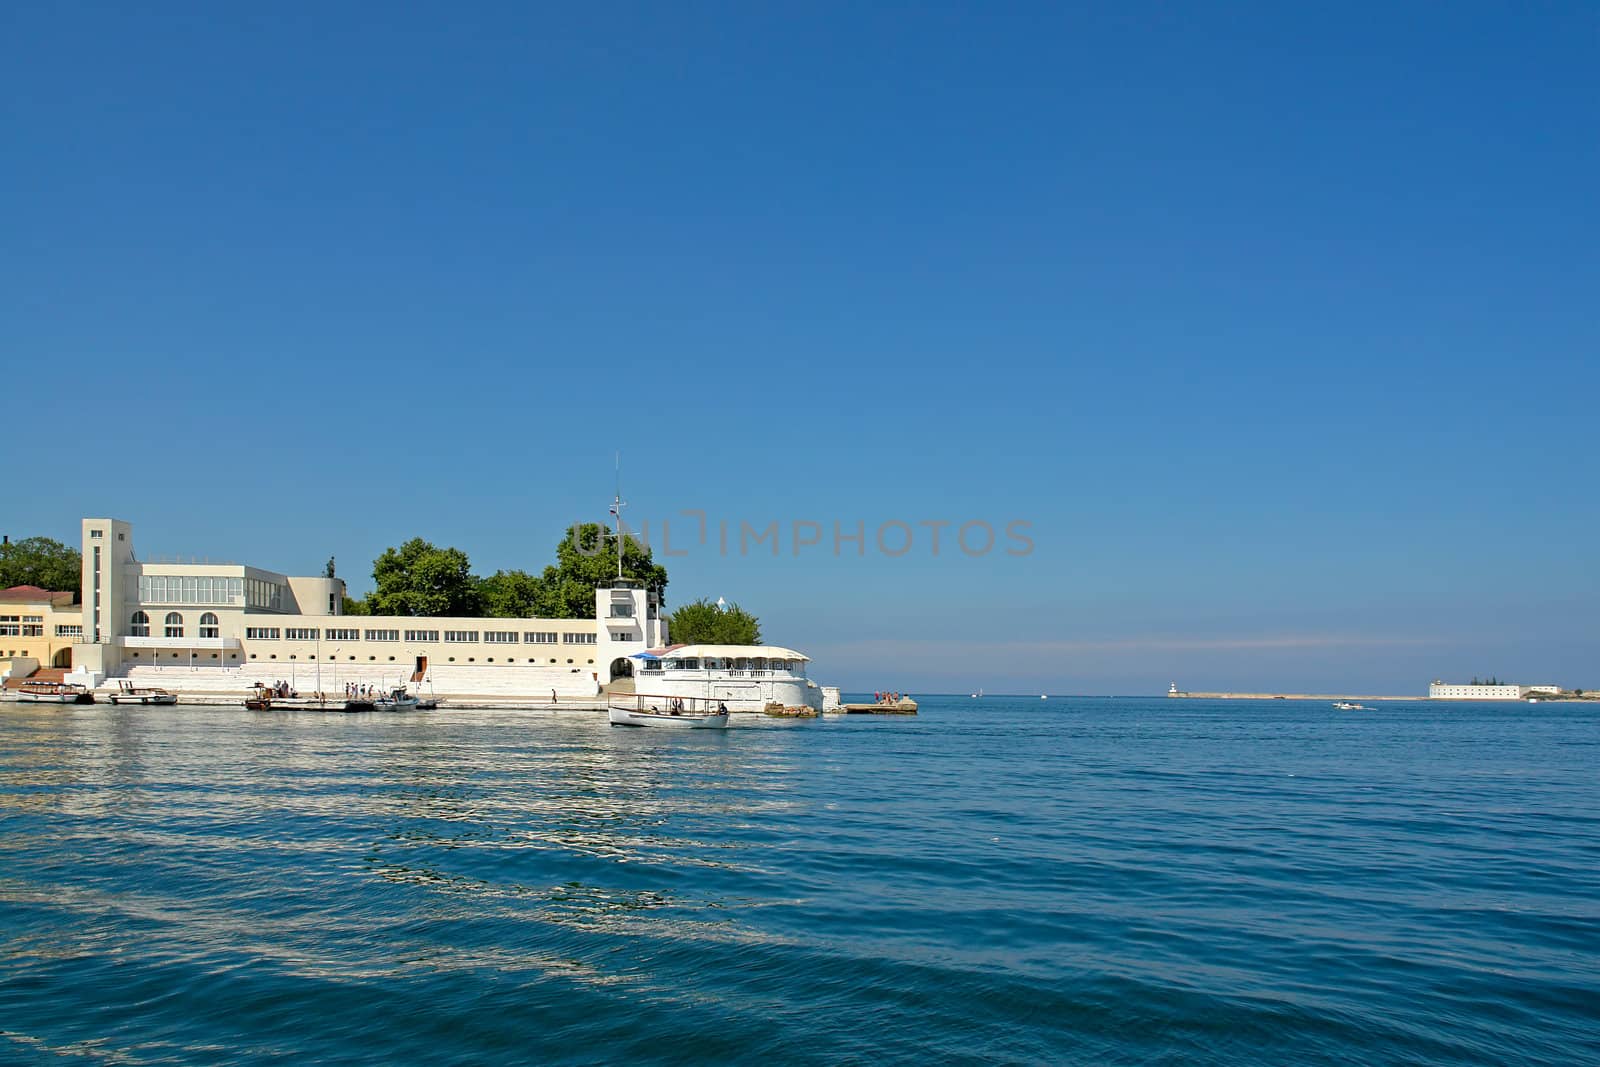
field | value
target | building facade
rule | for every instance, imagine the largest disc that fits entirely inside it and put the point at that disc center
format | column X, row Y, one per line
column 39, row 625
column 264, row 624
column 1446, row 691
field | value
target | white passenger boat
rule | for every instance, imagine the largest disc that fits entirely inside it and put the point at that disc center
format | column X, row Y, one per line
column 128, row 693
column 675, row 713
column 1345, row 705
column 53, row 693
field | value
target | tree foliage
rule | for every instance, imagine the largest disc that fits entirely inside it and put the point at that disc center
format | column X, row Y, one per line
column 703, row 623
column 420, row 579
column 41, row 561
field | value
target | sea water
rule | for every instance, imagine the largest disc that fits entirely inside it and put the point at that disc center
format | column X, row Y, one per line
column 1000, row 880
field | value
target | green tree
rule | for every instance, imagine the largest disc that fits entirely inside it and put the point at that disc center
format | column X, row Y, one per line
column 353, row 606
column 704, row 623
column 420, row 579
column 586, row 557
column 41, row 561
column 514, row 595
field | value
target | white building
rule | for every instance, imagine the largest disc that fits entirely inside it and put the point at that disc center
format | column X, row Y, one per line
column 226, row 625
column 1445, row 691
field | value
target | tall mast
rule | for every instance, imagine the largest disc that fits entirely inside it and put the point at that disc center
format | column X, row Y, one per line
column 617, row 504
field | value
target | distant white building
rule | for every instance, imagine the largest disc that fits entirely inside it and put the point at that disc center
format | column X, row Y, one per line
column 1445, row 691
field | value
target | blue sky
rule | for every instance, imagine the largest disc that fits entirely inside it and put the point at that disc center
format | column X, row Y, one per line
column 1278, row 326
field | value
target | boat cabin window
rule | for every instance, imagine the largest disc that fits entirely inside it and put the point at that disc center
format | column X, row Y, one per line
column 691, row 664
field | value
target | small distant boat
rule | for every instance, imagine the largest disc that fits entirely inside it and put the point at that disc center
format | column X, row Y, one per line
column 260, row 699
column 428, row 704
column 681, row 713
column 1042, row 696
column 1345, row 705
column 978, row 695
column 53, row 693
column 128, row 693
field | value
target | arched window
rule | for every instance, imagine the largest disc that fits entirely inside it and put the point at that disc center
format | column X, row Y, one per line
column 174, row 624
column 139, row 625
column 208, row 625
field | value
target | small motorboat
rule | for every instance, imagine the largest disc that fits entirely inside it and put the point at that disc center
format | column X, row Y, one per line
column 128, row 693
column 260, row 699
column 1345, row 705
column 428, row 704
column 53, row 693
column 680, row 713
column 397, row 700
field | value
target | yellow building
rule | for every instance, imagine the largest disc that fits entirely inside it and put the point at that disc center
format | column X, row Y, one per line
column 39, row 625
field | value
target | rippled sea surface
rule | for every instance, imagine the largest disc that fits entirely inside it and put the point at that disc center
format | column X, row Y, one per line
column 1080, row 880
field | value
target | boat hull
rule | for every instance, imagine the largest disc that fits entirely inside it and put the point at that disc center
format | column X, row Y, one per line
column 628, row 717
column 54, row 698
column 163, row 699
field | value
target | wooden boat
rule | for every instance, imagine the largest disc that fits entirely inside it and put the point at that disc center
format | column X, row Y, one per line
column 127, row 693
column 673, row 713
column 260, row 699
column 53, row 693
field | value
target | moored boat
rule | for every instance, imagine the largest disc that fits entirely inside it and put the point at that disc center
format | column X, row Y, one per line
column 397, row 700
column 260, row 699
column 128, row 693
column 53, row 693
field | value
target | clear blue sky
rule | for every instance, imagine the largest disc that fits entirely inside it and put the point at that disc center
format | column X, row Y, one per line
column 1279, row 326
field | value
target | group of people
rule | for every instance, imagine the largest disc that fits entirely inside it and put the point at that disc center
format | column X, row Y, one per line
column 887, row 698
column 356, row 691
column 280, row 688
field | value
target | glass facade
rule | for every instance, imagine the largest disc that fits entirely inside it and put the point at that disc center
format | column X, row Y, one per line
column 190, row 589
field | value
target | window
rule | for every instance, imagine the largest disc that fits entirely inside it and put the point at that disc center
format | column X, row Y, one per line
column 499, row 637
column 622, row 611
column 422, row 635
column 69, row 631
column 578, row 639
column 139, row 625
column 10, row 625
column 174, row 624
column 293, row 634
column 33, row 626
column 342, row 635
column 541, row 638
column 383, row 635
column 460, row 637
column 96, row 534
column 208, row 625
column 261, row 633
column 189, row 589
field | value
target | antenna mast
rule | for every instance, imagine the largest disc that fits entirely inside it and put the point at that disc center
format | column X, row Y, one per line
column 617, row 504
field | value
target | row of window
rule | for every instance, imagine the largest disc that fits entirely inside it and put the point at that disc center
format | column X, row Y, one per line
column 69, row 630
column 189, row 589
column 172, row 626
column 451, row 637
column 370, row 659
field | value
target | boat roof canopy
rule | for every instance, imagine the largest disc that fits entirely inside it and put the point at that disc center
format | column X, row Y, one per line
column 734, row 652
